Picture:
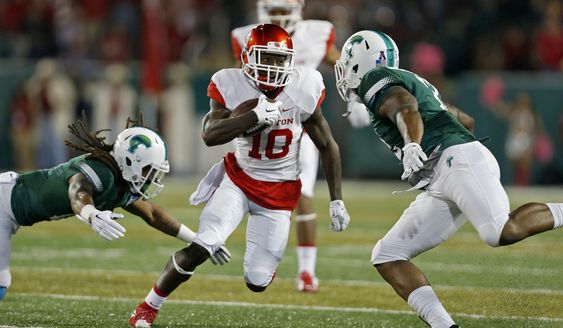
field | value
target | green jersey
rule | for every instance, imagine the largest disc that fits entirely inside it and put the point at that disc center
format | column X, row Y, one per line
column 43, row 195
column 440, row 127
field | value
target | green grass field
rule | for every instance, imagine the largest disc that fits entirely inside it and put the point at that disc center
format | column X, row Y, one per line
column 65, row 275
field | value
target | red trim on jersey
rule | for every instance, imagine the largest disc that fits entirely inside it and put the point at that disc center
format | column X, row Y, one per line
column 330, row 41
column 235, row 46
column 321, row 99
column 272, row 195
column 214, row 93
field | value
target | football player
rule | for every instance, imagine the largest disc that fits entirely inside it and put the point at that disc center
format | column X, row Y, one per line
column 440, row 154
column 262, row 176
column 313, row 42
column 125, row 174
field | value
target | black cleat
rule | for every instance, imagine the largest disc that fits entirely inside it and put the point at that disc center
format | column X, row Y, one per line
column 454, row 326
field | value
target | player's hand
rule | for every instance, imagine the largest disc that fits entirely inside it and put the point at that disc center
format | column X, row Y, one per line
column 221, row 256
column 413, row 159
column 338, row 215
column 266, row 111
column 102, row 222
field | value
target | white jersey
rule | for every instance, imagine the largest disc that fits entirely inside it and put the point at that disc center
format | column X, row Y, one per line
column 311, row 41
column 273, row 154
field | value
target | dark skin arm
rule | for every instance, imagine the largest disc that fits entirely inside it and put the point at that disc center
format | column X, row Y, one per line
column 80, row 192
column 465, row 119
column 401, row 107
column 155, row 216
column 319, row 131
column 219, row 128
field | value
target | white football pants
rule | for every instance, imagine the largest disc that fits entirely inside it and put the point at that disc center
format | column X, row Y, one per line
column 8, row 225
column 266, row 232
column 309, row 161
column 466, row 185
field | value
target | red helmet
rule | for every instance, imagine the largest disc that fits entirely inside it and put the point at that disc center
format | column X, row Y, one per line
column 267, row 57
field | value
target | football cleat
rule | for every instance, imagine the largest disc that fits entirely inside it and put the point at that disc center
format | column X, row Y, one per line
column 3, row 291
column 143, row 316
column 307, row 283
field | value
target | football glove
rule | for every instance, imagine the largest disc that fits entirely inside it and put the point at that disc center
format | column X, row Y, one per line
column 359, row 115
column 266, row 111
column 413, row 159
column 221, row 256
column 338, row 215
column 102, row 222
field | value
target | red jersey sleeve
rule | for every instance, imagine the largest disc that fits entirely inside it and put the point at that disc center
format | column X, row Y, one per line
column 214, row 93
column 330, row 41
column 321, row 99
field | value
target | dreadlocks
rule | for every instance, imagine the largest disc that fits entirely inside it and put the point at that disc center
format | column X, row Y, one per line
column 96, row 146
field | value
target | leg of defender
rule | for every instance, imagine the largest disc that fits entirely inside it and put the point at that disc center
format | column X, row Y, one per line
column 426, row 223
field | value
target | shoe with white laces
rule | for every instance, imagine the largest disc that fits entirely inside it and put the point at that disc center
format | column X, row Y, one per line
column 143, row 316
column 307, row 283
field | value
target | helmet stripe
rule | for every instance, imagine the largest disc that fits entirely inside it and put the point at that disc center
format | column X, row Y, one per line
column 390, row 49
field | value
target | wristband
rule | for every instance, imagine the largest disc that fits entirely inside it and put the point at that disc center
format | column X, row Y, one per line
column 87, row 211
column 186, row 234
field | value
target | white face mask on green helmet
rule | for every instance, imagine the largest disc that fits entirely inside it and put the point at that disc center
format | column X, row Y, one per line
column 141, row 155
column 362, row 52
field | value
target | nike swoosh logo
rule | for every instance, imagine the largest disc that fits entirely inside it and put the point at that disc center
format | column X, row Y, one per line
column 286, row 109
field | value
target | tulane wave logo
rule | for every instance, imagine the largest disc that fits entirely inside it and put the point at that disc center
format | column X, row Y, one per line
column 356, row 39
column 138, row 140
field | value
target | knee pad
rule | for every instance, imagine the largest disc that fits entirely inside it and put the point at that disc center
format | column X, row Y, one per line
column 382, row 253
column 5, row 278
column 258, row 281
column 305, row 217
column 256, row 289
column 209, row 241
column 375, row 252
column 490, row 234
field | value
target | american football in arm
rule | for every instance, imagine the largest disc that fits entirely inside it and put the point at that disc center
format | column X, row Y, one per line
column 244, row 108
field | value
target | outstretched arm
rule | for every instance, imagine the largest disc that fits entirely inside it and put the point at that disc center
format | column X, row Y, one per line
column 158, row 218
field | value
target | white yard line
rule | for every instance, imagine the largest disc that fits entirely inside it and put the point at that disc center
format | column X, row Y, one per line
column 284, row 306
column 357, row 283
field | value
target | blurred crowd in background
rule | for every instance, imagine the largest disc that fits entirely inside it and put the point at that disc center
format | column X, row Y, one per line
column 115, row 58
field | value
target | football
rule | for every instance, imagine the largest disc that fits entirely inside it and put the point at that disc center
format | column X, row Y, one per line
column 245, row 107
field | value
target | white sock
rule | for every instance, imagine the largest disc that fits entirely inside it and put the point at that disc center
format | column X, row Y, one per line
column 557, row 212
column 155, row 298
column 307, row 258
column 425, row 302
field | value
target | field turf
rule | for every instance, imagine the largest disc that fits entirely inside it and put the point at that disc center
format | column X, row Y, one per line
column 64, row 275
